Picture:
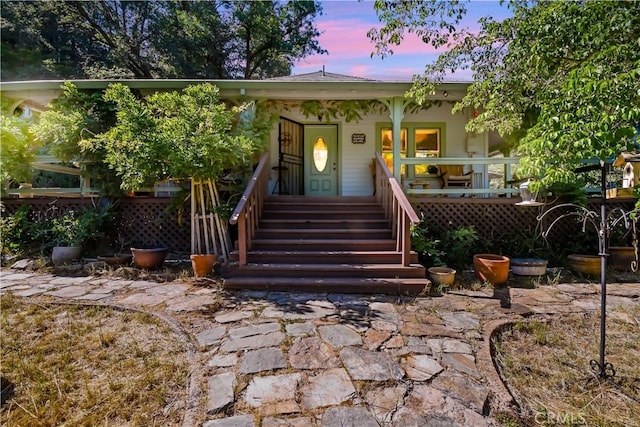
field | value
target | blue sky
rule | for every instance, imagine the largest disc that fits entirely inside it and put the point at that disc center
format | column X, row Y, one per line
column 344, row 25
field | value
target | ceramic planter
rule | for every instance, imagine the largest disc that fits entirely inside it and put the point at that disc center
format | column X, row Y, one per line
column 529, row 266
column 492, row 268
column 623, row 258
column 149, row 258
column 202, row 264
column 585, row 264
column 442, row 276
column 61, row 255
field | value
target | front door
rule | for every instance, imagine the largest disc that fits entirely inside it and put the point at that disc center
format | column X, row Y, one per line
column 321, row 160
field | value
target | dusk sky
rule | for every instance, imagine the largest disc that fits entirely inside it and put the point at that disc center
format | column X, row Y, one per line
column 344, row 25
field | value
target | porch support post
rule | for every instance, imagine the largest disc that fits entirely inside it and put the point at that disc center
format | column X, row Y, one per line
column 396, row 115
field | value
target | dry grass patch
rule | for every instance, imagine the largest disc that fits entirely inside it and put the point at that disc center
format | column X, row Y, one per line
column 545, row 364
column 81, row 365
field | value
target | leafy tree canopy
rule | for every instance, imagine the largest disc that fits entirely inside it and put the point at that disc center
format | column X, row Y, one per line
column 155, row 38
column 74, row 115
column 565, row 74
column 173, row 135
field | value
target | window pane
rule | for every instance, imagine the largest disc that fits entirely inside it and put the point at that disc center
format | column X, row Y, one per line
column 427, row 145
column 387, row 147
column 320, row 154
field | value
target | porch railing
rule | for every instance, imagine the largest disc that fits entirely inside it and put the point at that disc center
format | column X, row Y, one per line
column 397, row 208
column 249, row 208
column 503, row 184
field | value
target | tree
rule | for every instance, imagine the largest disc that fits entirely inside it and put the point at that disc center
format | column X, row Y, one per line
column 270, row 36
column 563, row 73
column 156, row 38
column 173, row 135
column 73, row 116
column 17, row 147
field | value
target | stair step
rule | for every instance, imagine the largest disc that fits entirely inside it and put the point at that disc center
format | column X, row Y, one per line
column 284, row 200
column 330, row 285
column 415, row 271
column 298, row 233
column 321, row 215
column 323, row 244
column 343, row 223
column 325, row 256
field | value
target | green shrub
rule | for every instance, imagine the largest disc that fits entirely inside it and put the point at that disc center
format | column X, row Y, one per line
column 17, row 232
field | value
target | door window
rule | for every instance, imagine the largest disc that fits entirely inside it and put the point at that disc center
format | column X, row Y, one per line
column 320, row 154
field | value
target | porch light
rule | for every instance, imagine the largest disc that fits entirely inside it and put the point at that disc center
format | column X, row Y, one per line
column 528, row 198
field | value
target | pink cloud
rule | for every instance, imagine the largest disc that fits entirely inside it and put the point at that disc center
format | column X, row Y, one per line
column 348, row 38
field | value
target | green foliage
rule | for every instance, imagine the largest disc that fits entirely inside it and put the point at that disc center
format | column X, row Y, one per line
column 173, row 135
column 459, row 244
column 16, row 231
column 75, row 115
column 563, row 74
column 426, row 246
column 452, row 248
column 350, row 110
column 156, row 39
column 79, row 227
column 17, row 147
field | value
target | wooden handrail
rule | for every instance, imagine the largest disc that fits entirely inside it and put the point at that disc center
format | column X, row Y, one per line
column 397, row 208
column 249, row 208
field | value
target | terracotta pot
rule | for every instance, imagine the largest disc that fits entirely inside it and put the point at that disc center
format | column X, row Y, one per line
column 585, row 264
column 529, row 266
column 623, row 258
column 64, row 254
column 117, row 259
column 442, row 276
column 492, row 268
column 149, row 257
column 202, row 264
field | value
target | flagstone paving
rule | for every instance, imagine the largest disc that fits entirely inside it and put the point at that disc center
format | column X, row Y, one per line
column 298, row 359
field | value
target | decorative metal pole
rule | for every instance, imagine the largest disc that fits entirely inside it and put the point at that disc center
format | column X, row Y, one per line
column 602, row 368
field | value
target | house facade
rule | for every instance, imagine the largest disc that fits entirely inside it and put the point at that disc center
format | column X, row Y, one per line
column 331, row 126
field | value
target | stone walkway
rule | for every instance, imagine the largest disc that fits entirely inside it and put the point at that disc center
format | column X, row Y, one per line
column 293, row 359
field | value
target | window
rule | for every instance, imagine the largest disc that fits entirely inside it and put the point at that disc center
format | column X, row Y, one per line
column 387, row 147
column 418, row 140
column 320, row 154
column 427, row 145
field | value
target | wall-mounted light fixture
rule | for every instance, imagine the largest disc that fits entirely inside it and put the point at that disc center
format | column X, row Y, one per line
column 445, row 93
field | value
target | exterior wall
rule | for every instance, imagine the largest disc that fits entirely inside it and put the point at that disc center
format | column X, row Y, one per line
column 355, row 174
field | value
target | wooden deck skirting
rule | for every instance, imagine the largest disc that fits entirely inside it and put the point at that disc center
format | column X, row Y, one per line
column 248, row 211
column 145, row 220
column 397, row 208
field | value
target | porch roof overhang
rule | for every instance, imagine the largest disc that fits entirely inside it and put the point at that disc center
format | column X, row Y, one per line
column 41, row 92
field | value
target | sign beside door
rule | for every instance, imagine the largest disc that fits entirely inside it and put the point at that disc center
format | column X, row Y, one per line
column 321, row 160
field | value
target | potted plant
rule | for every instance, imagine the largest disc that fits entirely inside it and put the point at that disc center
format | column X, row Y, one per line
column 69, row 233
column 188, row 135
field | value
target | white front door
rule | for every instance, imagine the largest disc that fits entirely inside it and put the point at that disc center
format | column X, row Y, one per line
column 321, row 164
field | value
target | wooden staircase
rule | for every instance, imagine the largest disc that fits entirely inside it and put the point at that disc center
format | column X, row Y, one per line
column 325, row 244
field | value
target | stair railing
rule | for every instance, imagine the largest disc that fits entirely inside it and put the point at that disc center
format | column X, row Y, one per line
column 397, row 208
column 249, row 209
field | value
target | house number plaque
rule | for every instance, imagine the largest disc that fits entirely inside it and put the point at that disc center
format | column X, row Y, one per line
column 358, row 138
